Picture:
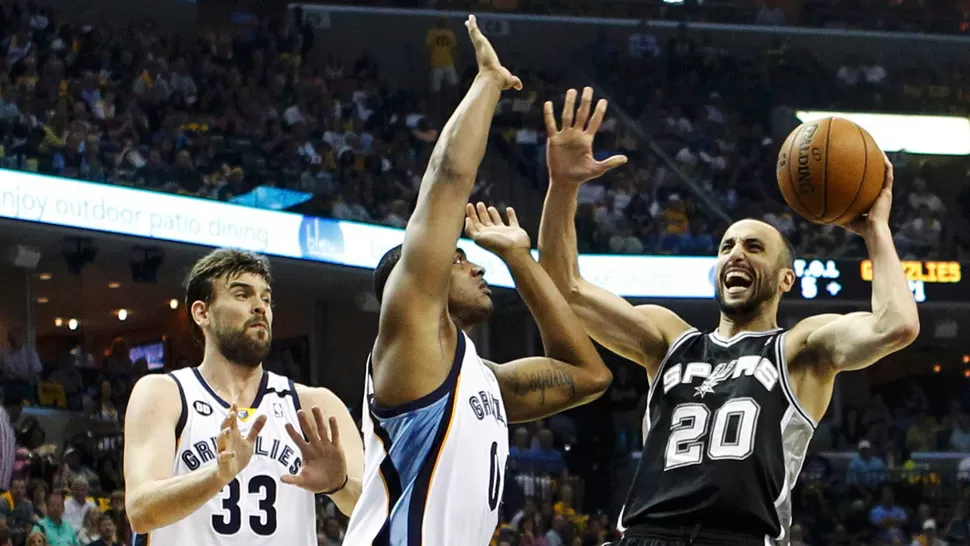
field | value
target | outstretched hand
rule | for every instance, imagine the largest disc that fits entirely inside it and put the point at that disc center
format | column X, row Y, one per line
column 485, row 226
column 235, row 450
column 324, row 462
column 569, row 152
column 878, row 214
column 488, row 63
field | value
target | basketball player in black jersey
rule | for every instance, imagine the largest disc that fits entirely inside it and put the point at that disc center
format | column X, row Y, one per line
column 729, row 412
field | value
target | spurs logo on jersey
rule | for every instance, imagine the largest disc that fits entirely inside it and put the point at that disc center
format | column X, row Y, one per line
column 725, row 437
column 434, row 469
column 256, row 508
column 758, row 367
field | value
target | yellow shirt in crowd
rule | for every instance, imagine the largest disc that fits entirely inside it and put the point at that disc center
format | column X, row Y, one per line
column 441, row 44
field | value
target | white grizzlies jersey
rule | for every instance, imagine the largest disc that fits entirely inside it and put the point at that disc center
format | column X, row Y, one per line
column 434, row 468
column 256, row 508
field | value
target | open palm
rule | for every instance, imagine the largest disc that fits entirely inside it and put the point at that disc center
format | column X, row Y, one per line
column 569, row 151
column 485, row 226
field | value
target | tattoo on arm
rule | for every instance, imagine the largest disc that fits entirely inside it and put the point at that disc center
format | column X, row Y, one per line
column 523, row 384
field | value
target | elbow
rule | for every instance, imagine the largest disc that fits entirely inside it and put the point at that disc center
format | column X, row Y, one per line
column 139, row 517
column 907, row 333
column 597, row 384
column 903, row 333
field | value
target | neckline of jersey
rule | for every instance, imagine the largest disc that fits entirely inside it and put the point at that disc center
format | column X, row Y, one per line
column 744, row 333
column 259, row 392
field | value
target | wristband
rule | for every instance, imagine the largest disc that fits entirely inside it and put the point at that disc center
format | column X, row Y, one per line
column 338, row 489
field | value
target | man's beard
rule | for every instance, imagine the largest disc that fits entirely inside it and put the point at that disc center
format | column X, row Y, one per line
column 240, row 348
column 747, row 308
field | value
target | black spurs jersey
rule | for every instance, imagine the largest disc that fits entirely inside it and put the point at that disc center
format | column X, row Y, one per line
column 725, row 437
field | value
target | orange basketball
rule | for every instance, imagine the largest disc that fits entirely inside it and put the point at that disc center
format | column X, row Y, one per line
column 830, row 171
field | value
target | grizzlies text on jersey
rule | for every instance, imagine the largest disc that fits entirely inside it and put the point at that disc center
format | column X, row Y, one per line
column 725, row 438
column 434, row 468
column 256, row 508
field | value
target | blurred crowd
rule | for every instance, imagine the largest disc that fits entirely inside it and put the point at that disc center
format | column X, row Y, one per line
column 258, row 118
column 230, row 117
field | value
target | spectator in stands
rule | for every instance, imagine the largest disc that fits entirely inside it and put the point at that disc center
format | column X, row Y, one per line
column 960, row 435
column 929, row 535
column 37, row 538
column 921, row 434
column 442, row 48
column 888, row 517
column 557, row 533
column 865, row 468
column 17, row 508
column 958, row 530
column 107, row 532
column 59, row 531
column 90, row 529
column 21, row 367
column 770, row 14
column 545, row 457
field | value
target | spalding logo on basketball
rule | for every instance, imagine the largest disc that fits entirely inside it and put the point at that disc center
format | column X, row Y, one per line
column 830, row 170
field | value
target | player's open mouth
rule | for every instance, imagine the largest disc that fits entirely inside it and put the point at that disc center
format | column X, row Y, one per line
column 485, row 288
column 736, row 281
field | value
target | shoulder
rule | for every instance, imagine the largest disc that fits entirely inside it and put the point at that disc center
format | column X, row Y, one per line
column 155, row 387
column 798, row 336
column 669, row 324
column 153, row 396
column 316, row 396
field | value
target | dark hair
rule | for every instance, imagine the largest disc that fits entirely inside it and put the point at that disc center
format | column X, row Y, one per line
column 224, row 262
column 787, row 259
column 384, row 268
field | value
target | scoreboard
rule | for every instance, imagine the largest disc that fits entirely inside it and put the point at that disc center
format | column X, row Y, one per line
column 851, row 280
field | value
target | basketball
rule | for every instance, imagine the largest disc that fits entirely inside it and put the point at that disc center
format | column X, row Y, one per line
column 830, row 171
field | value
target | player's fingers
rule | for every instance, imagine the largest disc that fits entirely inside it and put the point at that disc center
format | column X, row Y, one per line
column 222, row 440
column 483, row 214
column 516, row 83
column 585, row 105
column 598, row 114
column 256, row 428
column 611, row 162
column 233, row 417
column 308, row 429
column 495, row 216
column 320, row 420
column 568, row 109
column 290, row 479
column 550, row 117
column 513, row 219
column 296, row 436
column 334, row 431
column 889, row 171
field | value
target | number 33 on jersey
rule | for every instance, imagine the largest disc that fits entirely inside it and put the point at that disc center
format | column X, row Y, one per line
column 255, row 508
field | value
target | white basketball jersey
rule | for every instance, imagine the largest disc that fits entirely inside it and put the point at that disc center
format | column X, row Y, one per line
column 434, row 468
column 256, row 508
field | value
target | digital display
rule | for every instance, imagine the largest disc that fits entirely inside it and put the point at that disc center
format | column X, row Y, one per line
column 851, row 280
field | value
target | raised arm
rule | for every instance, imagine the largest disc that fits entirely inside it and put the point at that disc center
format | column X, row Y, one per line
column 572, row 372
column 153, row 497
column 415, row 298
column 641, row 334
column 856, row 340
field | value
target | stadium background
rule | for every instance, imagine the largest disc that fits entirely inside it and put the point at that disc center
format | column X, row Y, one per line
column 123, row 126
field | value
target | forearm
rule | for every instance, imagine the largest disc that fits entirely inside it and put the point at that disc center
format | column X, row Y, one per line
column 461, row 145
column 563, row 335
column 892, row 301
column 558, row 247
column 160, row 503
column 346, row 498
